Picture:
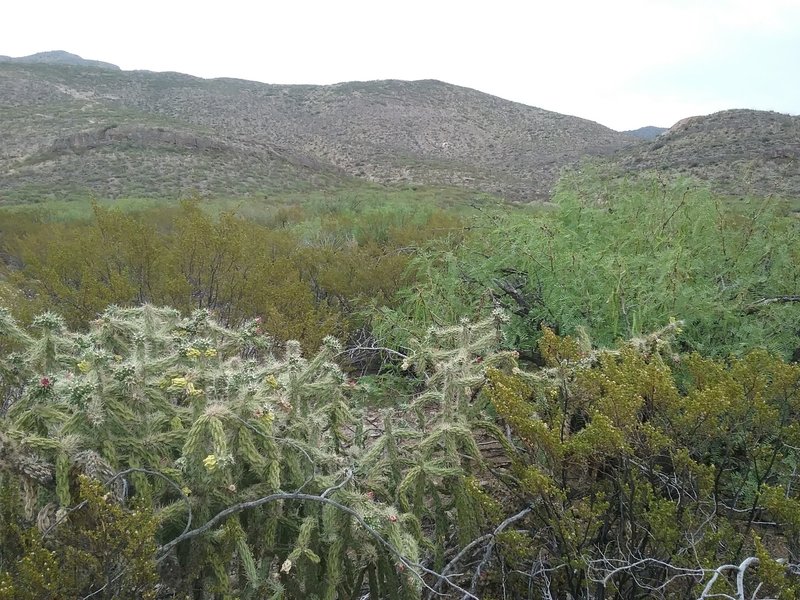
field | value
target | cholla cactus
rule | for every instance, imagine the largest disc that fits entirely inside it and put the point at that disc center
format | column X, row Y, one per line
column 223, row 417
column 427, row 455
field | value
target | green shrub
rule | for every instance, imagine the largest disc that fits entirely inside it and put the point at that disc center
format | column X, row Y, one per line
column 98, row 548
column 616, row 260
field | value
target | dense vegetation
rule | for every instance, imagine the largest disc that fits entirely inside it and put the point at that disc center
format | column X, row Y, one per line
column 616, row 259
column 589, row 401
column 306, row 269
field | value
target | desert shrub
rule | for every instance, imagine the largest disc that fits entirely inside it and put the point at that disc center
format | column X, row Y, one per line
column 616, row 259
column 249, row 470
column 643, row 475
column 98, row 548
column 306, row 281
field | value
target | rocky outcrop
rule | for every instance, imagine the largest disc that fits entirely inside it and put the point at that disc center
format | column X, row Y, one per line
column 152, row 137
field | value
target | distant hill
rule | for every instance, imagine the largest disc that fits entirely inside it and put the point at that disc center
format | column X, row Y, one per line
column 75, row 130
column 646, row 133
column 59, row 57
column 739, row 152
column 72, row 129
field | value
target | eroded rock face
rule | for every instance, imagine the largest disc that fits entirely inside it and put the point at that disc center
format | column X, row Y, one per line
column 140, row 136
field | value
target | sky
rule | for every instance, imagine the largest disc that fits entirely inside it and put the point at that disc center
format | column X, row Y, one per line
column 622, row 63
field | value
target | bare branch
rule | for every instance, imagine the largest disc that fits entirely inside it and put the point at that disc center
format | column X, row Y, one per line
column 487, row 555
column 464, row 552
column 348, row 477
column 698, row 573
column 354, row 349
column 415, row 567
column 755, row 306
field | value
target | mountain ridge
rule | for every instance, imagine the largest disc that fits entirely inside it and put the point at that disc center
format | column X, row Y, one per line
column 59, row 57
column 73, row 130
column 740, row 152
column 386, row 131
column 648, row 132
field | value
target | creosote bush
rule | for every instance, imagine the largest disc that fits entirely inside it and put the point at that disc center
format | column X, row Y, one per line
column 645, row 472
column 97, row 547
column 307, row 270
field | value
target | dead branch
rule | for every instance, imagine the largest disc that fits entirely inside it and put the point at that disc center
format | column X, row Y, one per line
column 756, row 306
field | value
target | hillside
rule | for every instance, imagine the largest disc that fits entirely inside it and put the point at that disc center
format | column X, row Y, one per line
column 740, row 152
column 59, row 57
column 72, row 129
column 75, row 130
column 649, row 132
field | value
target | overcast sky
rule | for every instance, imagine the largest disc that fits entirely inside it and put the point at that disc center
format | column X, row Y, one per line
column 623, row 63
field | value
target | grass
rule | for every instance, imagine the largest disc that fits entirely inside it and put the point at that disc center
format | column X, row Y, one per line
column 356, row 199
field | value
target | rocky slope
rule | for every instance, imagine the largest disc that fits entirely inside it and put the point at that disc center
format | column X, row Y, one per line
column 72, row 127
column 59, row 57
column 72, row 130
column 739, row 152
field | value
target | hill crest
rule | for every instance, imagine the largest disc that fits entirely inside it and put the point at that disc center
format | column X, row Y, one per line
column 738, row 151
column 388, row 131
column 76, row 129
column 59, row 57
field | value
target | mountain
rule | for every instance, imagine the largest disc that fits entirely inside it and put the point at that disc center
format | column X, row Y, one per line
column 739, row 152
column 646, row 133
column 72, row 130
column 59, row 57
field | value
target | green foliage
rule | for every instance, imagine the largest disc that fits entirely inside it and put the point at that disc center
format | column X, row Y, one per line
column 427, row 457
column 307, row 270
column 617, row 259
column 182, row 452
column 100, row 549
column 249, row 470
column 196, row 417
column 641, row 486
